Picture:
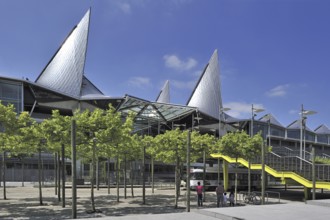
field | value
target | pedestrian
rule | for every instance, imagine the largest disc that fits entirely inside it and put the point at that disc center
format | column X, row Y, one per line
column 231, row 198
column 224, row 199
column 219, row 190
column 199, row 190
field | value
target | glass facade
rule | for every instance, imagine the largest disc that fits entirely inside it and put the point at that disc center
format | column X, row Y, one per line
column 322, row 138
column 293, row 133
column 11, row 92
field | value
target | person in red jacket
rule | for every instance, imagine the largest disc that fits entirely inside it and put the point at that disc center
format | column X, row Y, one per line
column 199, row 190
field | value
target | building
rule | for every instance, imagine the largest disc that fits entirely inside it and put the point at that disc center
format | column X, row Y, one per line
column 63, row 85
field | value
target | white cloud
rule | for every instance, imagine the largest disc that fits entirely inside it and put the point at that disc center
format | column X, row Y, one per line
column 125, row 7
column 241, row 109
column 278, row 91
column 140, row 82
column 174, row 62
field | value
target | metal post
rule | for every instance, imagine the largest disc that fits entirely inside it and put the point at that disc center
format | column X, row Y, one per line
column 263, row 176
column 143, row 176
column 188, row 173
column 63, row 176
column 251, row 129
column 204, row 173
column 301, row 135
column 74, row 169
column 313, row 172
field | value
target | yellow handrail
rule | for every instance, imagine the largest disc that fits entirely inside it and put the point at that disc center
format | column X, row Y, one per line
column 280, row 174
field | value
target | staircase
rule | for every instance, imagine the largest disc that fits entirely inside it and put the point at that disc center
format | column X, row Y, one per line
column 287, row 165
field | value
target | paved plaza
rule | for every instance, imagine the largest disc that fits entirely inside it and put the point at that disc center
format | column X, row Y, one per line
column 23, row 203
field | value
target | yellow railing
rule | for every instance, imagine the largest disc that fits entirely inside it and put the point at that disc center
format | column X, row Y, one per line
column 279, row 174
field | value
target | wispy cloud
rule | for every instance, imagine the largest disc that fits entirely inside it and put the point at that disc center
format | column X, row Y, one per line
column 241, row 109
column 278, row 91
column 124, row 7
column 140, row 82
column 174, row 62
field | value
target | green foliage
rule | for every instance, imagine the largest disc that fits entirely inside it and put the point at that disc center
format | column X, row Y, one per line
column 322, row 160
column 57, row 131
column 8, row 126
column 240, row 144
column 171, row 145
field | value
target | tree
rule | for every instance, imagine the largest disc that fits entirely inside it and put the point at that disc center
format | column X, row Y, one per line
column 25, row 139
column 8, row 124
column 250, row 150
column 171, row 148
column 56, row 130
column 232, row 145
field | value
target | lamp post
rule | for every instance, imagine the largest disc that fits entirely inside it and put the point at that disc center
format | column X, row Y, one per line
column 303, row 117
column 221, row 117
column 254, row 111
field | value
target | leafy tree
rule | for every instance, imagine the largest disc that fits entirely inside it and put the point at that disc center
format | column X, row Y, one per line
column 25, row 146
column 232, row 145
column 171, row 147
column 8, row 125
column 250, row 150
column 57, row 131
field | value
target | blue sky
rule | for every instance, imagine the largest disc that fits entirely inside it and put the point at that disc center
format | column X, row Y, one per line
column 273, row 53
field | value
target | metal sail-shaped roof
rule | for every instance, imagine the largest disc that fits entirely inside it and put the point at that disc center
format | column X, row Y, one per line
column 322, row 129
column 272, row 119
column 88, row 89
column 206, row 95
column 164, row 94
column 64, row 72
column 297, row 125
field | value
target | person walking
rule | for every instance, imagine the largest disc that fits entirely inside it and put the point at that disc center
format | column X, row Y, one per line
column 231, row 198
column 199, row 190
column 219, row 191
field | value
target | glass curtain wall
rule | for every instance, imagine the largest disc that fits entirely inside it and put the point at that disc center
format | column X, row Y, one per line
column 11, row 92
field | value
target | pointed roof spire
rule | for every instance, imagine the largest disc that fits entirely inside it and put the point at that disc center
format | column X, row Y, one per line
column 164, row 94
column 322, row 129
column 272, row 119
column 297, row 125
column 65, row 70
column 207, row 95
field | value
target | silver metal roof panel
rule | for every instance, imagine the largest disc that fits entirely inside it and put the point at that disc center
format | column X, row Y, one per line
column 206, row 95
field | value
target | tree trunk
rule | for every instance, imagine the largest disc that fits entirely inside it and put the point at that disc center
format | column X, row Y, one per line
column 143, row 175
column 125, row 170
column 92, row 178
column 249, row 178
column 109, row 176
column 117, row 177
column 4, row 174
column 97, row 174
column 59, row 176
column 22, row 172
column 152, row 174
column 39, row 172
column 132, row 179
column 55, row 172
column 177, row 182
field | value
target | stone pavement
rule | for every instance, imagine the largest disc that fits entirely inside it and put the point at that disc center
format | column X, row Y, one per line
column 23, row 203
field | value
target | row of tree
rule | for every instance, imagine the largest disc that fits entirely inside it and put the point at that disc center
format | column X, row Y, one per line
column 107, row 134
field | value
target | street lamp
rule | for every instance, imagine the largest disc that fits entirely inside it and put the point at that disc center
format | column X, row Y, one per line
column 303, row 116
column 268, row 118
column 254, row 111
